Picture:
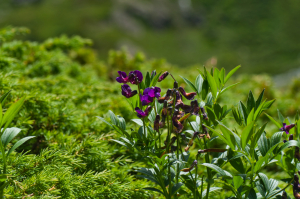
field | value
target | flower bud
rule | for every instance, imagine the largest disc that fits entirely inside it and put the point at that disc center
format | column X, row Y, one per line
column 163, row 76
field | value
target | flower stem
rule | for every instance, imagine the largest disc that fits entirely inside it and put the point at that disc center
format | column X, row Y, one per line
column 208, row 169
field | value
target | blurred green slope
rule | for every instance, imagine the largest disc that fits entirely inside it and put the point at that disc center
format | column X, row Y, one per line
column 263, row 36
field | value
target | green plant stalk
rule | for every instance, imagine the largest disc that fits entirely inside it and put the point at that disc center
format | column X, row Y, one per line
column 4, row 167
column 154, row 130
column 140, row 103
column 196, row 172
column 169, row 173
column 167, row 151
column 208, row 169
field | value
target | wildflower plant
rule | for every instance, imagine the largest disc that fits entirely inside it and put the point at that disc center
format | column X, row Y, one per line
column 174, row 124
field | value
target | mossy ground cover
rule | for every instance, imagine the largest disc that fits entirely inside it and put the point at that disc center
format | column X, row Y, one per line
column 66, row 87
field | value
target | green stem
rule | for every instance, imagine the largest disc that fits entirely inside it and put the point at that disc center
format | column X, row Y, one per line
column 208, row 169
column 169, row 172
column 140, row 102
column 196, row 176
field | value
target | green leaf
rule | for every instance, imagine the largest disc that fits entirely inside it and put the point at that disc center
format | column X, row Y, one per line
column 250, row 116
column 103, row 120
column 199, row 84
column 280, row 116
column 228, row 87
column 175, row 187
column 288, row 144
column 216, row 77
column 276, row 138
column 114, row 120
column 229, row 135
column 237, row 181
column 213, row 85
column 153, row 189
column 217, row 169
column 122, row 122
column 236, row 115
column 4, row 97
column 268, row 104
column 274, row 121
column 155, row 79
column 147, row 80
column 9, row 134
column 258, row 135
column 252, row 194
column 259, row 99
column 250, row 102
column 222, row 137
column 189, row 83
column 205, row 88
column 259, row 110
column 265, row 180
column 243, row 111
column 246, row 135
column 11, row 112
column 211, row 115
column 212, row 189
column 19, row 143
column 222, row 76
column 231, row 73
column 263, row 145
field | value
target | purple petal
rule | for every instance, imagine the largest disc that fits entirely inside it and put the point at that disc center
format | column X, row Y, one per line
column 123, row 77
column 139, row 75
column 140, row 113
column 146, row 99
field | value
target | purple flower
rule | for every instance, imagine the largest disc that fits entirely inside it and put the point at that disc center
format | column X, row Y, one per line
column 195, row 107
column 126, row 91
column 143, row 114
column 146, row 99
column 287, row 128
column 163, row 76
column 204, row 113
column 123, row 77
column 166, row 97
column 176, row 123
column 179, row 102
column 152, row 92
column 135, row 77
column 189, row 96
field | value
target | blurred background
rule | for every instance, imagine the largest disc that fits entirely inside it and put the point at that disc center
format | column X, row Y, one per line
column 262, row 36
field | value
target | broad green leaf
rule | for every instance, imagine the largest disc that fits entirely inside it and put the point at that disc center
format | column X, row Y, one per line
column 259, row 99
column 155, row 79
column 272, row 185
column 250, row 116
column 4, row 97
column 213, row 85
column 263, row 145
column 257, row 135
column 231, row 73
column 216, row 77
column 250, row 102
column 236, row 115
column 280, row 116
column 175, row 187
column 217, row 169
column 288, row 144
column 199, row 84
column 222, row 137
column 147, row 80
column 210, row 100
column 252, row 194
column 229, row 135
column 1, row 114
column 9, row 134
column 205, row 88
column 148, row 178
column 138, row 121
column 246, row 135
column 265, row 180
column 11, row 112
column 228, row 87
column 122, row 122
column 274, row 121
column 114, row 120
column 212, row 189
column 259, row 110
column 237, row 181
column 189, row 83
column 268, row 104
column 243, row 111
column 211, row 115
column 153, row 189
column 222, row 76
column 276, row 138
column 19, row 143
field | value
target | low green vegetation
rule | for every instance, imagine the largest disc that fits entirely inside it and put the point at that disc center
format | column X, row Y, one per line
column 65, row 87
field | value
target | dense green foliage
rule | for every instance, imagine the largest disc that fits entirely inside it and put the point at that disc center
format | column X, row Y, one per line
column 66, row 87
column 262, row 36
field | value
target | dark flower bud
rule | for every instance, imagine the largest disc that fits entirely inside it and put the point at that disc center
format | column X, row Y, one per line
column 195, row 107
column 126, row 91
column 287, row 128
column 298, row 172
column 189, row 96
column 191, row 167
column 284, row 195
column 284, row 141
column 179, row 102
column 156, row 123
column 291, row 137
column 183, row 136
column 166, row 97
column 135, row 77
column 173, row 139
column 175, row 84
column 186, row 108
column 163, row 76
column 187, row 147
column 296, row 194
column 173, row 148
column 203, row 113
column 177, row 125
